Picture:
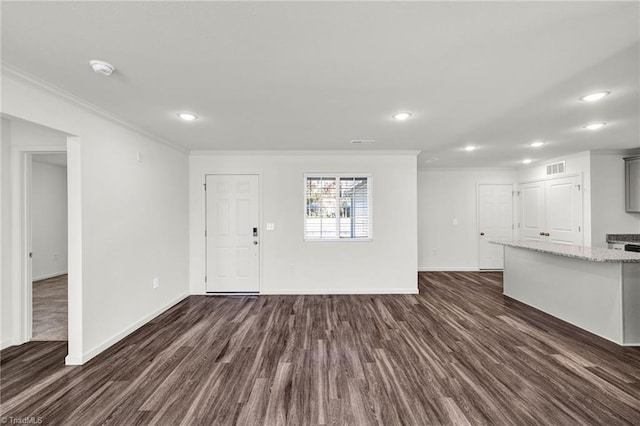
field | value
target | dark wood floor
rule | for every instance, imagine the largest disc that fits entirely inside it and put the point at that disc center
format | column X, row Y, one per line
column 50, row 309
column 458, row 353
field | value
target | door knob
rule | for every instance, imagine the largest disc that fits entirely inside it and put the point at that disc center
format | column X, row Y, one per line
column 482, row 233
column 542, row 234
column 255, row 243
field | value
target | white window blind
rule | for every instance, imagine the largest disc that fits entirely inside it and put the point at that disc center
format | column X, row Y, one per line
column 337, row 208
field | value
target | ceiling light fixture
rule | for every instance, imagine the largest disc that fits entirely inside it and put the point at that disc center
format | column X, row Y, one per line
column 594, row 126
column 401, row 116
column 470, row 148
column 187, row 116
column 102, row 67
column 526, row 161
column 594, row 96
column 537, row 144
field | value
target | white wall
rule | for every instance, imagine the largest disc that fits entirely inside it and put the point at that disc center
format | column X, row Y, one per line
column 388, row 264
column 6, row 330
column 48, row 219
column 578, row 163
column 131, row 223
column 445, row 195
column 608, row 214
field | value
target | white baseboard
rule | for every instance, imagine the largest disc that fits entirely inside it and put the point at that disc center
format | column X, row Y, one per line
column 69, row 360
column 306, row 291
column 5, row 343
column 447, row 269
column 44, row 277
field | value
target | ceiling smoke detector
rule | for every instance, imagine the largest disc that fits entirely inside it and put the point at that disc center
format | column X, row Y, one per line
column 363, row 141
column 102, row 67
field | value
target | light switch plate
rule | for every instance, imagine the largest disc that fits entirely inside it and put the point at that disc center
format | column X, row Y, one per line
column 271, row 226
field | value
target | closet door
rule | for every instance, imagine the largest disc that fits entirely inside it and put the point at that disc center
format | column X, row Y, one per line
column 532, row 219
column 563, row 215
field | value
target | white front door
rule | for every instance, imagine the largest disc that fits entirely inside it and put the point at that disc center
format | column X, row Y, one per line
column 495, row 222
column 532, row 213
column 232, row 250
column 564, row 210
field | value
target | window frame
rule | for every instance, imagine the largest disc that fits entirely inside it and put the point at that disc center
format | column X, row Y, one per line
column 338, row 176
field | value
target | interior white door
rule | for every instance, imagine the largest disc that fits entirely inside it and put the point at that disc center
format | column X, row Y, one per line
column 532, row 217
column 232, row 214
column 495, row 222
column 564, row 210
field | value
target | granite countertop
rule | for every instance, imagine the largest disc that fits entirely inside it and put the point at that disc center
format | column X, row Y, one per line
column 592, row 254
column 623, row 238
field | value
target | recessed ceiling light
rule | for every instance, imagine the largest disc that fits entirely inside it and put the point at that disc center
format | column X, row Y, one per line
column 594, row 126
column 526, row 161
column 102, row 67
column 537, row 144
column 470, row 148
column 594, row 96
column 401, row 116
column 187, row 116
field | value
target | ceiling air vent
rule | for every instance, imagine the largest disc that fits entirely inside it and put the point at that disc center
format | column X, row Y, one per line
column 362, row 141
column 555, row 168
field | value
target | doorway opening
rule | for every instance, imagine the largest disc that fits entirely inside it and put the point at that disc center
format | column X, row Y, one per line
column 49, row 246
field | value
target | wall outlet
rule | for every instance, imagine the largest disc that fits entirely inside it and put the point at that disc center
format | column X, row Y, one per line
column 455, row 221
column 156, row 283
column 435, row 252
column 292, row 268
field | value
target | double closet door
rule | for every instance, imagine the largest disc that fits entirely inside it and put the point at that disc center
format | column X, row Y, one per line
column 551, row 210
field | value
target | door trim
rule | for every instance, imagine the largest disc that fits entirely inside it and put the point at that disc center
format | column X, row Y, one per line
column 204, row 228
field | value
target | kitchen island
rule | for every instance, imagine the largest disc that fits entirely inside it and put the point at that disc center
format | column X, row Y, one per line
column 594, row 288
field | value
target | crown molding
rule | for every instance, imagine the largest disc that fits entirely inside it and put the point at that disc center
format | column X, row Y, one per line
column 21, row 76
column 209, row 152
column 627, row 151
column 466, row 169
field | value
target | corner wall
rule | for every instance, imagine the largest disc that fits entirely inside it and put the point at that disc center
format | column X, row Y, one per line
column 608, row 215
column 133, row 218
column 445, row 195
column 289, row 265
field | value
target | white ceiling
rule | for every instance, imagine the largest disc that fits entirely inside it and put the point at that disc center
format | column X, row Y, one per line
column 315, row 75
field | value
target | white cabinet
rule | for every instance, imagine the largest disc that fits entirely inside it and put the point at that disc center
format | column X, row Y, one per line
column 632, row 184
column 551, row 210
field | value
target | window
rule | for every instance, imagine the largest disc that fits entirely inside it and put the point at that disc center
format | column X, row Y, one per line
column 337, row 207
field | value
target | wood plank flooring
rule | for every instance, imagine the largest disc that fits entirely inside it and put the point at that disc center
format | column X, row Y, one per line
column 50, row 309
column 458, row 353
